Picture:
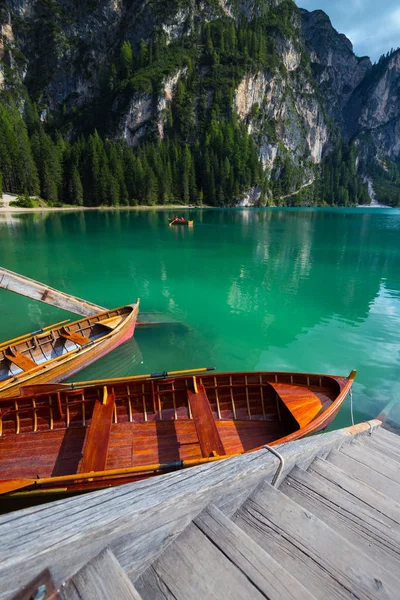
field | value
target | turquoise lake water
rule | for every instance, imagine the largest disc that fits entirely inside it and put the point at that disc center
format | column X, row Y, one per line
column 299, row 289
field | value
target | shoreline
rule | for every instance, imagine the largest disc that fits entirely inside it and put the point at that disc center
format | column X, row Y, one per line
column 6, row 209
column 9, row 210
column 40, row 209
column 173, row 207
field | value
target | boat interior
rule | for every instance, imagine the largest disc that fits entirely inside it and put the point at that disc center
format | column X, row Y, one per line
column 143, row 422
column 44, row 345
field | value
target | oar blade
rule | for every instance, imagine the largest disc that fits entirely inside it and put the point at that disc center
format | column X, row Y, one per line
column 12, row 485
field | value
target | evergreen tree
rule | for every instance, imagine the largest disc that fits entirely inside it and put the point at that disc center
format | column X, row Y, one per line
column 91, row 170
column 143, row 54
column 16, row 160
column 48, row 163
column 76, row 188
column 126, row 60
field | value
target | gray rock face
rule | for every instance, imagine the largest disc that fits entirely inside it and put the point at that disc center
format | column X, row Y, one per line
column 363, row 99
column 335, row 67
column 293, row 112
column 374, row 116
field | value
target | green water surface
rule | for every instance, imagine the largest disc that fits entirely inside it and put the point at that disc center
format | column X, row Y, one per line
column 298, row 289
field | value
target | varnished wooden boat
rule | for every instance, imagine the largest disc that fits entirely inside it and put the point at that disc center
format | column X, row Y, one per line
column 56, row 353
column 84, row 436
column 179, row 222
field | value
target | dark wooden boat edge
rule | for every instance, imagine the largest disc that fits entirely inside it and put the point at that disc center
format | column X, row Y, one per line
column 9, row 385
column 328, row 415
column 123, row 475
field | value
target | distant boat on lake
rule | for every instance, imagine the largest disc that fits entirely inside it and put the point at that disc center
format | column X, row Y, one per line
column 180, row 222
column 57, row 352
column 82, row 436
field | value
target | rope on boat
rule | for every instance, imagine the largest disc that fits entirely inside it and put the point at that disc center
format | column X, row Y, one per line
column 351, row 407
column 280, row 466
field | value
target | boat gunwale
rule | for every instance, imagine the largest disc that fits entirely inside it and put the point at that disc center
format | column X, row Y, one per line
column 24, row 376
column 331, row 411
column 131, row 379
column 112, row 475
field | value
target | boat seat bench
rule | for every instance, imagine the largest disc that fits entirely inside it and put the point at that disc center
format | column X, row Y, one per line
column 111, row 323
column 206, row 428
column 23, row 362
column 77, row 338
column 303, row 404
column 98, row 435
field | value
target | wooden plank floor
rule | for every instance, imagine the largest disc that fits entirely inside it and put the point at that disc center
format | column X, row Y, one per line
column 323, row 534
column 357, row 521
column 139, row 521
column 60, row 452
column 91, row 582
column 228, row 564
column 315, row 554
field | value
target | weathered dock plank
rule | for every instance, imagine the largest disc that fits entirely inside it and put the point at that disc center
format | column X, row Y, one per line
column 260, row 568
column 44, row 293
column 138, row 520
column 321, row 559
column 355, row 521
column 372, row 498
column 381, row 446
column 193, row 567
column 101, row 579
column 376, row 461
column 389, row 437
column 362, row 472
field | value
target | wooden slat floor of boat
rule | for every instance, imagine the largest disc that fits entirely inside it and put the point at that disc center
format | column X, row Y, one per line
column 165, row 441
column 59, row 452
column 241, row 436
column 300, row 400
column 47, row 454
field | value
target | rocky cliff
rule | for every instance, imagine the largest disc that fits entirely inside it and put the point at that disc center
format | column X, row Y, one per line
column 122, row 68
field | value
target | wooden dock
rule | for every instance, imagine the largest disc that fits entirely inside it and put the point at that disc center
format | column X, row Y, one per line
column 330, row 528
column 24, row 286
column 44, row 293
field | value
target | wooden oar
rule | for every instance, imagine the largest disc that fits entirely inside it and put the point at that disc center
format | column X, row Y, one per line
column 49, row 388
column 12, row 485
column 21, row 338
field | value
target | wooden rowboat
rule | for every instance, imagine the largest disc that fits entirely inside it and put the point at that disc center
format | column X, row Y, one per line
column 179, row 222
column 54, row 354
column 84, row 436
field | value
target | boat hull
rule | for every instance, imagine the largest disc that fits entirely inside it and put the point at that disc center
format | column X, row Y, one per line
column 120, row 431
column 173, row 222
column 67, row 365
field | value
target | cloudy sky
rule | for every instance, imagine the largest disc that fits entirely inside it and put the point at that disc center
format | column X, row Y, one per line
column 372, row 25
